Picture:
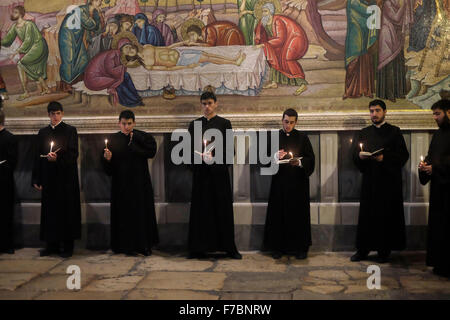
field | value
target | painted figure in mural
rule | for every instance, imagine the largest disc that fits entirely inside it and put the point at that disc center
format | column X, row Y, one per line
column 112, row 27
column 158, row 18
column 74, row 42
column 167, row 58
column 247, row 19
column 284, row 42
column 126, row 22
column 396, row 18
column 219, row 33
column 424, row 13
column 33, row 63
column 359, row 60
column 108, row 70
column 145, row 32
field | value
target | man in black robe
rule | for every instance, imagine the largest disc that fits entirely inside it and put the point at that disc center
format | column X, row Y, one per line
column 381, row 222
column 211, row 223
column 288, row 220
column 8, row 161
column 133, row 219
column 436, row 168
column 55, row 173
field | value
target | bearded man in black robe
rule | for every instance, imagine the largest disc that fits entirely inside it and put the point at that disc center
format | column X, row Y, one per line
column 288, row 219
column 8, row 161
column 436, row 168
column 134, row 228
column 55, row 173
column 381, row 221
column 211, row 223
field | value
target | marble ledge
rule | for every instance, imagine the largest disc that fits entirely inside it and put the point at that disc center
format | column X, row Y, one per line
column 322, row 121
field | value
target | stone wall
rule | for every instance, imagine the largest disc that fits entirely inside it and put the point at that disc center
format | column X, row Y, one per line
column 334, row 194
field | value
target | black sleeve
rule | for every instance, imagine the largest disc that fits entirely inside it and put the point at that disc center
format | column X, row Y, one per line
column 424, row 177
column 192, row 152
column 227, row 127
column 396, row 155
column 309, row 159
column 143, row 144
column 11, row 153
column 36, row 176
column 68, row 155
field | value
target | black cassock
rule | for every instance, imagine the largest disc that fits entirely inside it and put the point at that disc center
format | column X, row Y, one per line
column 211, row 223
column 438, row 242
column 288, row 220
column 60, row 210
column 133, row 218
column 8, row 152
column 381, row 221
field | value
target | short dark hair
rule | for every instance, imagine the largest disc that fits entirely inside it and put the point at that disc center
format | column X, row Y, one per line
column 290, row 113
column 194, row 28
column 21, row 10
column 127, row 114
column 442, row 104
column 377, row 102
column 2, row 118
column 54, row 106
column 208, row 95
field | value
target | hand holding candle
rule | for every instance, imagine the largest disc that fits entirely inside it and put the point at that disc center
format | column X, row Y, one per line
column 107, row 154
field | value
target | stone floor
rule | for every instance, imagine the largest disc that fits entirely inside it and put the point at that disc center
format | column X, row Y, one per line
column 25, row 275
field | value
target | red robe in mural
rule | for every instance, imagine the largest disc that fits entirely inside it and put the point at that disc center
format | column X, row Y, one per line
column 223, row 33
column 285, row 46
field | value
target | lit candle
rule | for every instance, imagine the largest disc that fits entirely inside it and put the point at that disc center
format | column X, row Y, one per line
column 106, row 143
column 204, row 143
column 291, row 155
column 421, row 159
column 51, row 146
column 361, row 146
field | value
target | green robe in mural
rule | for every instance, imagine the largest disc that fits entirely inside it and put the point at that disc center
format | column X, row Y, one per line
column 359, row 37
column 73, row 41
column 34, row 48
column 248, row 22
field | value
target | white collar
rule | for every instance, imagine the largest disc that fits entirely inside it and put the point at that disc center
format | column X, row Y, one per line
column 53, row 127
column 379, row 125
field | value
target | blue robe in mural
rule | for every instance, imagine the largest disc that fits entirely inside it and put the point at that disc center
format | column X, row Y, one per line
column 74, row 37
column 148, row 34
column 423, row 19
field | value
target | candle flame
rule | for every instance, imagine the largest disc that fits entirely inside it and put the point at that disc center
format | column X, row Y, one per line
column 421, row 158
